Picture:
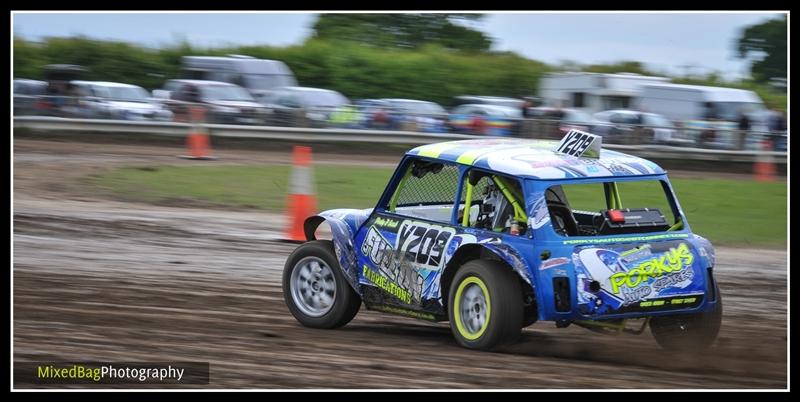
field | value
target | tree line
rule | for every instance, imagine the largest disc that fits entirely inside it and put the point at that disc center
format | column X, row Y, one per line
column 430, row 57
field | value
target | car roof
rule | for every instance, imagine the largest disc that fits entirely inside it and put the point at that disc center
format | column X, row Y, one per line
column 490, row 98
column 535, row 159
column 404, row 100
column 486, row 106
column 105, row 84
column 204, row 82
column 29, row 81
column 304, row 89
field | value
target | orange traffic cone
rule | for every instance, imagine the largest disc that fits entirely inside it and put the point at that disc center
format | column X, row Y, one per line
column 301, row 201
column 764, row 167
column 197, row 141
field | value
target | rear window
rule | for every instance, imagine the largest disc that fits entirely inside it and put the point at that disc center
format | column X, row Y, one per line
column 609, row 208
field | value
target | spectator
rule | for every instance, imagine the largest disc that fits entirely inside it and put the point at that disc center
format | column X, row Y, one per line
column 710, row 113
column 777, row 122
column 744, row 129
column 777, row 129
column 744, row 122
column 526, row 108
column 525, row 126
column 709, row 134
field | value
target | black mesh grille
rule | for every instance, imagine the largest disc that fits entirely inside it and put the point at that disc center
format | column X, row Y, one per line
column 432, row 188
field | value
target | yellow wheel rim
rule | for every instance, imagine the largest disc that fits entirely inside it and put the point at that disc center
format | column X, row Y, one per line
column 472, row 308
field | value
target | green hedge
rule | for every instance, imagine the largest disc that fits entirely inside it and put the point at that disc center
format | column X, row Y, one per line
column 431, row 73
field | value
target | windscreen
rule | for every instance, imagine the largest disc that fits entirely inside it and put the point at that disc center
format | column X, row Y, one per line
column 225, row 93
column 269, row 81
column 424, row 108
column 657, row 121
column 324, row 99
column 575, row 116
column 731, row 111
column 608, row 208
column 128, row 94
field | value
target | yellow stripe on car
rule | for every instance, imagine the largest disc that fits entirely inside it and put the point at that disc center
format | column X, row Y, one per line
column 434, row 150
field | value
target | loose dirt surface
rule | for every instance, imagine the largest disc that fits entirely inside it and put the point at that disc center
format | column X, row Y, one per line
column 98, row 280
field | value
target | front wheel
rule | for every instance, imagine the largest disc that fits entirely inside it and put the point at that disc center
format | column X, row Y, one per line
column 485, row 305
column 314, row 288
column 688, row 332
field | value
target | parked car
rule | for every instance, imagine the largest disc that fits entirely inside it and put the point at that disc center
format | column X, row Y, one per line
column 114, row 100
column 489, row 100
column 376, row 114
column 309, row 107
column 555, row 122
column 27, row 95
column 484, row 119
column 61, row 99
column 481, row 234
column 418, row 115
column 225, row 103
column 620, row 125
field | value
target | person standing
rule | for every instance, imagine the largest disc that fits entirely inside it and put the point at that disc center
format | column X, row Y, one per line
column 744, row 129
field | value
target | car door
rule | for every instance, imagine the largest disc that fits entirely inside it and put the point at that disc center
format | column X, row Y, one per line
column 401, row 248
column 286, row 108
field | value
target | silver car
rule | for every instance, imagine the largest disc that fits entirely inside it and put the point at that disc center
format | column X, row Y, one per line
column 654, row 128
column 113, row 100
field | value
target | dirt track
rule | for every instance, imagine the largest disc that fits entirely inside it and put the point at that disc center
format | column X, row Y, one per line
column 103, row 280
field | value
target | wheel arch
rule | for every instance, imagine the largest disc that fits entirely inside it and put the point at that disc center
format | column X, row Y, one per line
column 481, row 251
column 343, row 236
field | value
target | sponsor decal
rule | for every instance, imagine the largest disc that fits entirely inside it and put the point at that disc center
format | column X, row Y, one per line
column 423, row 244
column 386, row 222
column 386, row 284
column 672, row 262
column 603, row 240
column 418, row 250
column 553, row 262
column 392, row 269
column 541, row 215
column 629, row 277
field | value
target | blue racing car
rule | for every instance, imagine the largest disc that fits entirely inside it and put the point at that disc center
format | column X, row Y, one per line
column 493, row 235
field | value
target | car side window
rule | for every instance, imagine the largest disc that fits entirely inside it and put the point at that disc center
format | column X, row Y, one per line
column 426, row 190
column 288, row 100
column 461, row 110
column 171, row 86
column 492, row 202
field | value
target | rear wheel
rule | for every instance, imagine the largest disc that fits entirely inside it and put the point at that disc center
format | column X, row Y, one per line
column 485, row 305
column 314, row 288
column 688, row 332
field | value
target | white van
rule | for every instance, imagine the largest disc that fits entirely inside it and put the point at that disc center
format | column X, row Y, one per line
column 258, row 76
column 696, row 106
column 689, row 102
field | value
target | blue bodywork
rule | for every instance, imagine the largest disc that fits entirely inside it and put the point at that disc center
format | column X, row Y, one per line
column 401, row 262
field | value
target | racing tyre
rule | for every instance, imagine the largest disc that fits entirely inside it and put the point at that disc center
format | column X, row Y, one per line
column 314, row 288
column 485, row 305
column 688, row 333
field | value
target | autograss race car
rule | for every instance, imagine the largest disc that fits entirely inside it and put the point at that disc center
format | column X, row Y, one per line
column 493, row 235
